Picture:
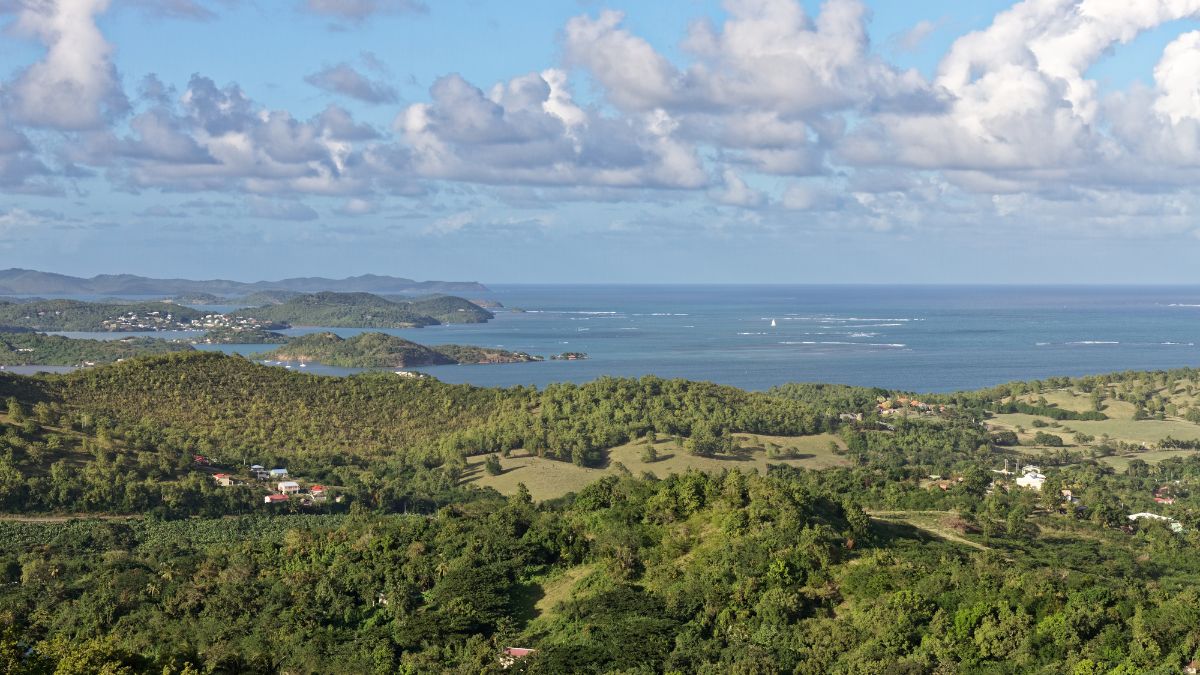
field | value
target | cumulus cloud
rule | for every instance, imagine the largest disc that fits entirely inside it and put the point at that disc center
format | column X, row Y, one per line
column 345, row 80
column 75, row 85
column 769, row 109
column 526, row 131
column 735, row 192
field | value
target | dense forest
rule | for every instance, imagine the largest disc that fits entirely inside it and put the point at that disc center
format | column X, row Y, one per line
column 919, row 556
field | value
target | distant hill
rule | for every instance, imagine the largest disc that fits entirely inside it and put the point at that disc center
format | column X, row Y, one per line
column 23, row 349
column 364, row 310
column 377, row 350
column 267, row 298
column 74, row 315
column 31, row 282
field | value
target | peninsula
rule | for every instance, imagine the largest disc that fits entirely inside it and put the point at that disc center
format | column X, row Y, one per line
column 378, row 350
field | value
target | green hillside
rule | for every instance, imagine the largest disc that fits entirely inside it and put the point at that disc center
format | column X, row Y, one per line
column 19, row 349
column 363, row 310
column 377, row 350
column 75, row 315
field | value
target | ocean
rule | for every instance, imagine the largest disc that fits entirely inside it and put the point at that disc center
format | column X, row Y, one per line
column 917, row 338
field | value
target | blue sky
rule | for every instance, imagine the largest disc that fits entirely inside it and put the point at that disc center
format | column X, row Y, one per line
column 591, row 141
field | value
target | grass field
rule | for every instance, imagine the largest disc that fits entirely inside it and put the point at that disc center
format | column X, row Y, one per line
column 1121, row 462
column 546, row 478
column 1120, row 429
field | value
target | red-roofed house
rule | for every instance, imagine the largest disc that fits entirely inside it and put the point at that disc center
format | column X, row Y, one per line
column 274, row 499
column 511, row 655
column 223, row 479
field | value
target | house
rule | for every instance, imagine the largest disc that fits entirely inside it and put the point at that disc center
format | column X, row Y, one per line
column 1164, row 500
column 289, row 487
column 279, row 473
column 511, row 655
column 259, row 472
column 200, row 459
column 318, row 492
column 1175, row 525
column 274, row 499
column 1032, row 480
column 223, row 479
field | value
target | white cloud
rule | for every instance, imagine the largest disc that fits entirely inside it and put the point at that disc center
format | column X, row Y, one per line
column 75, row 85
column 735, row 192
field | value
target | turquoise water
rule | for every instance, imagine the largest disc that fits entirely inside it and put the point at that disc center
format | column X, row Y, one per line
column 916, row 338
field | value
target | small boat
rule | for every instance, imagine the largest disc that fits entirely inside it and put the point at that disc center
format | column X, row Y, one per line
column 772, row 323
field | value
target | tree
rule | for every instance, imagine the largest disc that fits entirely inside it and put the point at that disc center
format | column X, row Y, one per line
column 492, row 465
column 649, row 455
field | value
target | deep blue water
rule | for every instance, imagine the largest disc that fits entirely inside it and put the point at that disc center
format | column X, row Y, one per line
column 916, row 338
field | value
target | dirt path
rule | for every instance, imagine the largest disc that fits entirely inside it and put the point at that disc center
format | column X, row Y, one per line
column 22, row 518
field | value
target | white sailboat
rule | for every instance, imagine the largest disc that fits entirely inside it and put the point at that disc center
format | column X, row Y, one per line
column 772, row 323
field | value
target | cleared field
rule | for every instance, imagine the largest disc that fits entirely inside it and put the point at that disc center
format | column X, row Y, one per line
column 937, row 523
column 1121, row 429
column 546, row 478
column 1121, row 462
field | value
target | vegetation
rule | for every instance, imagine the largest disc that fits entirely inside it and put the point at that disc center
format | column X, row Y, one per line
column 241, row 336
column 363, row 310
column 74, row 315
column 377, row 350
column 20, row 349
column 812, row 540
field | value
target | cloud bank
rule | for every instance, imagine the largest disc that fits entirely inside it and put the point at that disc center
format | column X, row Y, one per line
column 768, row 111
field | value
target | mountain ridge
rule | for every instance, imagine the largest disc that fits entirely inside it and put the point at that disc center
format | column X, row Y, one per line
column 28, row 282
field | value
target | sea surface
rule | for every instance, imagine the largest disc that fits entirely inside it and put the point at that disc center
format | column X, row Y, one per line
column 917, row 338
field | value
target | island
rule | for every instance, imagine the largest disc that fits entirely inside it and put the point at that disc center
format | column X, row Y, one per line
column 364, row 310
column 378, row 350
column 240, row 336
column 569, row 356
column 37, row 349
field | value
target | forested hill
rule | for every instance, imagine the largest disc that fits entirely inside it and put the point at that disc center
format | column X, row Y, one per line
column 363, row 310
column 75, row 315
column 229, row 405
column 868, row 566
column 18, row 349
column 377, row 350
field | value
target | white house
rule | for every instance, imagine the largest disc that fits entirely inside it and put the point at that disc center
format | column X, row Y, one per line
column 289, row 487
column 279, row 473
column 1032, row 480
column 1175, row 525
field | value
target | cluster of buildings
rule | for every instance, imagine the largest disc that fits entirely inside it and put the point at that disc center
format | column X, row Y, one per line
column 284, row 489
column 288, row 489
column 211, row 321
column 900, row 404
column 152, row 320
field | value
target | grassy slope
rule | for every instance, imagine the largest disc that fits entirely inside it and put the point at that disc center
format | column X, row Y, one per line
column 547, row 479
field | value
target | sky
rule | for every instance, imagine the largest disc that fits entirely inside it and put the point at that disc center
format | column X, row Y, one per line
column 595, row 141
